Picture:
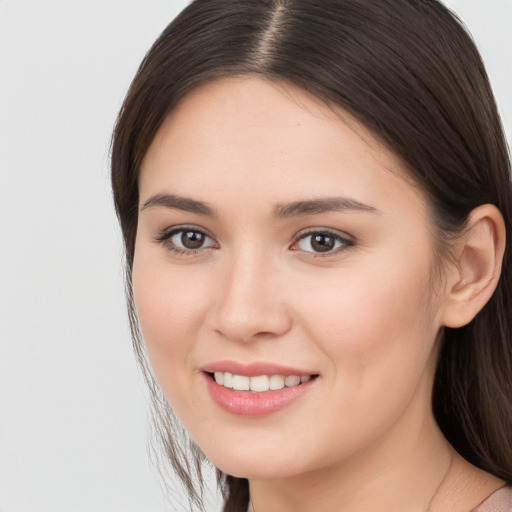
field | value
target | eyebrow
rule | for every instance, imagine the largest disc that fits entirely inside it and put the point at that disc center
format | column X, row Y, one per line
column 322, row 205
column 284, row 211
column 179, row 203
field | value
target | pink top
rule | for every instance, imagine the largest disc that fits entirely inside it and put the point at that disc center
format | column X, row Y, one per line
column 498, row 501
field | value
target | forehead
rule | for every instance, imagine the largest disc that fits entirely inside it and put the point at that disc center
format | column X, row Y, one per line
column 268, row 141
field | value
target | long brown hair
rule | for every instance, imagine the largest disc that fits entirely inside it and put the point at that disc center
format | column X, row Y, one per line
column 408, row 71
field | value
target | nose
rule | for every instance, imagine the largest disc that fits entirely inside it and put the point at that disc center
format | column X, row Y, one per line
column 251, row 301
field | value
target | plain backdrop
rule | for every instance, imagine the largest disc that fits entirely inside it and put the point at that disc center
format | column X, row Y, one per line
column 72, row 404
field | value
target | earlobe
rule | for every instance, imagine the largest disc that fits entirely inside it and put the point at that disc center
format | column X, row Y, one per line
column 472, row 281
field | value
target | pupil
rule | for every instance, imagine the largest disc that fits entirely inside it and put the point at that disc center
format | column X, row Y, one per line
column 322, row 243
column 192, row 239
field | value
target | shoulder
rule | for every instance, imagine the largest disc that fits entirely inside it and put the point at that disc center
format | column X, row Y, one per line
column 498, row 501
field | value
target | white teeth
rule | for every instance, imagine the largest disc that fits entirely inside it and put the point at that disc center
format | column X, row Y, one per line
column 228, row 380
column 291, row 380
column 241, row 382
column 259, row 383
column 276, row 382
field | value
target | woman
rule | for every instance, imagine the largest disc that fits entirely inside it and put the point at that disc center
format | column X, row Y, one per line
column 315, row 200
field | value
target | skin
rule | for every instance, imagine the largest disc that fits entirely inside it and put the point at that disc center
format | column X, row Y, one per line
column 366, row 316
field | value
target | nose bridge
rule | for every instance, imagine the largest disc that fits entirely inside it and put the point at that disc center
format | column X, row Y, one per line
column 250, row 304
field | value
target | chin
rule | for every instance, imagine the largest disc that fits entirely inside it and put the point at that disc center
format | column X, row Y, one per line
column 260, row 470
column 261, row 460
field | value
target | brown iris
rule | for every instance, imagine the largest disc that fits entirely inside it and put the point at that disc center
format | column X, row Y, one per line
column 192, row 239
column 322, row 242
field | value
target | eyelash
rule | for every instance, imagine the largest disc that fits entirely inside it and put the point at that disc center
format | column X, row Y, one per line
column 164, row 238
column 345, row 242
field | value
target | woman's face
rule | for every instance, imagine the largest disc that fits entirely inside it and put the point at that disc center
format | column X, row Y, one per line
column 277, row 241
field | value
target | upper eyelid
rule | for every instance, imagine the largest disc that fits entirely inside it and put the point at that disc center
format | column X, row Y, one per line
column 347, row 242
column 164, row 239
column 169, row 231
column 311, row 231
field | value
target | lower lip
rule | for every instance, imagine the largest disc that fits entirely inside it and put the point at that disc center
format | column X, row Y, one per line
column 247, row 403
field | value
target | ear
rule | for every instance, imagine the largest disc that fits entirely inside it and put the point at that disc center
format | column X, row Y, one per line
column 472, row 280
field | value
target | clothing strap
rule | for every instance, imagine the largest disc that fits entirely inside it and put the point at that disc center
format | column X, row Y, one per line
column 498, row 501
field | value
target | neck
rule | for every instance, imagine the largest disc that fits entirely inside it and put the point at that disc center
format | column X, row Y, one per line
column 402, row 473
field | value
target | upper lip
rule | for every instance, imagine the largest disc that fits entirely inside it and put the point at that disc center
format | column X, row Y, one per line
column 254, row 369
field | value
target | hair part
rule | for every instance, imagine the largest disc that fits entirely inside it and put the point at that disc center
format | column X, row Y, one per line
column 409, row 72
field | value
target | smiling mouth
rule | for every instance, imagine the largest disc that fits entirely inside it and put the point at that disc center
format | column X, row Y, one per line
column 259, row 383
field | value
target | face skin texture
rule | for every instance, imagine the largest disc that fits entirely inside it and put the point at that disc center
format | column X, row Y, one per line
column 364, row 316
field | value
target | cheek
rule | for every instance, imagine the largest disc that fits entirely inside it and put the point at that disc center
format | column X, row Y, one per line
column 377, row 330
column 374, row 323
column 170, row 306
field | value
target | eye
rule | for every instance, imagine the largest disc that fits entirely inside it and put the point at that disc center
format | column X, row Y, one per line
column 322, row 242
column 185, row 240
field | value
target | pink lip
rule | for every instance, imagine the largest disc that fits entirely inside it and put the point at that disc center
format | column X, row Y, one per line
column 254, row 369
column 248, row 403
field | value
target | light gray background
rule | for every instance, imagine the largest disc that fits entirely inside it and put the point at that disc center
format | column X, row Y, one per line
column 72, row 404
